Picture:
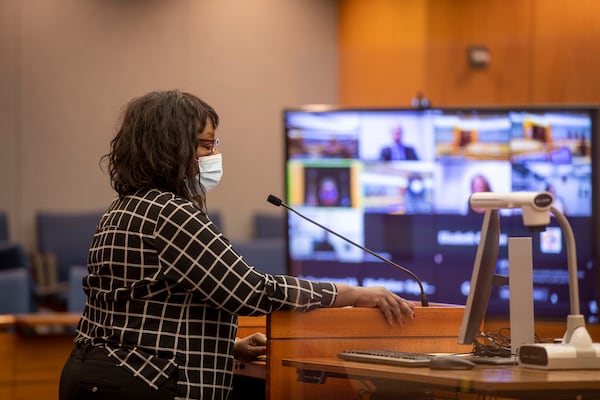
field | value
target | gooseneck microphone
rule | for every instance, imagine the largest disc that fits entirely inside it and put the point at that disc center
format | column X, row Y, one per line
column 278, row 202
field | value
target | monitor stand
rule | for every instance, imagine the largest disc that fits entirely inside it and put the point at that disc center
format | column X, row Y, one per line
column 576, row 350
column 520, row 284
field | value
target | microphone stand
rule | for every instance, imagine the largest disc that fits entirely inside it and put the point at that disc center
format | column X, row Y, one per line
column 424, row 301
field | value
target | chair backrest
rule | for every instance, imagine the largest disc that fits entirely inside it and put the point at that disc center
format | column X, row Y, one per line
column 68, row 237
column 4, row 231
column 269, row 226
column 217, row 219
column 12, row 255
column 267, row 255
column 76, row 296
column 15, row 291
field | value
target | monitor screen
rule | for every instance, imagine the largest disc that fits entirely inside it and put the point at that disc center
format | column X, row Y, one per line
column 397, row 181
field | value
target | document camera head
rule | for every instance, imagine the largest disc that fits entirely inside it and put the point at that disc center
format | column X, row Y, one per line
column 535, row 205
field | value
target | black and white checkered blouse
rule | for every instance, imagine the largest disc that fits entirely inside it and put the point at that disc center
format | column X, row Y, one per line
column 164, row 290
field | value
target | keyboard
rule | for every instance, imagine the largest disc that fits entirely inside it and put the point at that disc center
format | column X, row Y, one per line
column 390, row 357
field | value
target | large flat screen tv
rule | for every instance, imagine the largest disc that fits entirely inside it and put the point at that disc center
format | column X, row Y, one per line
column 397, row 181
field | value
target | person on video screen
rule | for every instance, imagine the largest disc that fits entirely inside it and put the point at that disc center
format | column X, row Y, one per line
column 398, row 150
column 479, row 183
column 334, row 148
column 329, row 194
column 559, row 202
column 416, row 196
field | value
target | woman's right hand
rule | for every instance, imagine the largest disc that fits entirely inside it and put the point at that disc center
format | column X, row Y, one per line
column 393, row 307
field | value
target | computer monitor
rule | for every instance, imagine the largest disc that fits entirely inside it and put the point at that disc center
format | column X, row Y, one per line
column 482, row 278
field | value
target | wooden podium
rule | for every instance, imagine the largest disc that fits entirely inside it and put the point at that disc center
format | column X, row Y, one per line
column 327, row 331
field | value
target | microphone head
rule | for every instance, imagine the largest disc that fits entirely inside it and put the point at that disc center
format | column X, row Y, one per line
column 274, row 200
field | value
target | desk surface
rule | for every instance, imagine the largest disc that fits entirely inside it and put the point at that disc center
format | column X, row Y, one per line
column 253, row 369
column 511, row 381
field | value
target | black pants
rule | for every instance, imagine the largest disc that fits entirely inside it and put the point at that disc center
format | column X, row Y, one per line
column 90, row 374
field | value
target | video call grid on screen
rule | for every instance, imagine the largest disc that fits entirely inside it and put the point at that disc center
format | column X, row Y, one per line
column 409, row 202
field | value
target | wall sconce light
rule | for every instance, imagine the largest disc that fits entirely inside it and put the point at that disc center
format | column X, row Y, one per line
column 478, row 56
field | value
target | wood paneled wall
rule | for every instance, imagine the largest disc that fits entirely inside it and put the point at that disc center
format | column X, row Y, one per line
column 542, row 51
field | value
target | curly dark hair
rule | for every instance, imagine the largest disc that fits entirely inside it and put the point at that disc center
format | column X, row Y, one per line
column 156, row 144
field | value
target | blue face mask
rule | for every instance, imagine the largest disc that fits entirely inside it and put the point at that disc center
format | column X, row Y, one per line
column 211, row 171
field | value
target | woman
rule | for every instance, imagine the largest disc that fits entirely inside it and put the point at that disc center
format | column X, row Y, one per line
column 165, row 286
column 479, row 183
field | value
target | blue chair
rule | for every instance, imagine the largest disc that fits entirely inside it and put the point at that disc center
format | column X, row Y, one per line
column 76, row 296
column 269, row 226
column 267, row 255
column 12, row 255
column 4, row 231
column 217, row 219
column 266, row 249
column 64, row 240
column 15, row 291
column 67, row 237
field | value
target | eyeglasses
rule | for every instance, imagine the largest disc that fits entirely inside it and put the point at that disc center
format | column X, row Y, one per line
column 214, row 144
